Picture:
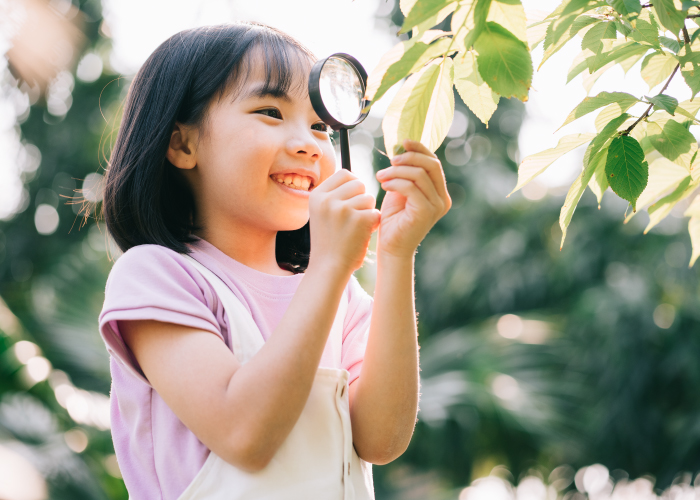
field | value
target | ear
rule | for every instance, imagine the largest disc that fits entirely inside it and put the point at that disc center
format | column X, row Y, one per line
column 182, row 149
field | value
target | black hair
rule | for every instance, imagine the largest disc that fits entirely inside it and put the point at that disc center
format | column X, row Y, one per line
column 146, row 198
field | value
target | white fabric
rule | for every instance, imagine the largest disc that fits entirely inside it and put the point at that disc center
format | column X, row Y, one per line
column 317, row 460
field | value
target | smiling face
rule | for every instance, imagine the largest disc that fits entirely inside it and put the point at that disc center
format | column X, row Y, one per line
column 253, row 145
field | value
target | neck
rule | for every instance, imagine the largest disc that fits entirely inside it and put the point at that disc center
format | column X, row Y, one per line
column 248, row 245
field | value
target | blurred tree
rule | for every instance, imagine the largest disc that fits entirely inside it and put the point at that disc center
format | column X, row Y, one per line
column 53, row 268
column 532, row 357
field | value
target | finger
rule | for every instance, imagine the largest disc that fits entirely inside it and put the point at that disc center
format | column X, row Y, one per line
column 420, row 177
column 419, row 147
column 362, row 202
column 348, row 190
column 414, row 195
column 338, row 178
column 431, row 165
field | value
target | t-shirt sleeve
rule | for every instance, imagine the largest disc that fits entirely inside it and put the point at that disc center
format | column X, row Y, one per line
column 156, row 283
column 356, row 328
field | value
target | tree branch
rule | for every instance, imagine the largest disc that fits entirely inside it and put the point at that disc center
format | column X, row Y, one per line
column 686, row 38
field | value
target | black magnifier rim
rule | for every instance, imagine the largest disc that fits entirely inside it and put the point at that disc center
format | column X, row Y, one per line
column 315, row 91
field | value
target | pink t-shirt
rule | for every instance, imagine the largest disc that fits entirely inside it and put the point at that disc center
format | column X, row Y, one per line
column 159, row 456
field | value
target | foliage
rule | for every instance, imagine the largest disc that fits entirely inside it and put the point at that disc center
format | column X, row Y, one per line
column 487, row 49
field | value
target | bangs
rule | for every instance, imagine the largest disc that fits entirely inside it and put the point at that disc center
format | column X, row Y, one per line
column 281, row 62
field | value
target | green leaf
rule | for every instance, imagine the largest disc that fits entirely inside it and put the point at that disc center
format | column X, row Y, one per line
column 576, row 191
column 625, row 7
column 511, row 15
column 534, row 165
column 659, row 210
column 626, row 169
column 628, row 63
column 475, row 93
column 644, row 32
column 564, row 16
column 504, row 62
column 593, row 39
column 478, row 17
column 665, row 102
column 599, row 183
column 406, row 6
column 590, row 104
column 690, row 68
column 610, row 112
column 623, row 27
column 619, row 52
column 673, row 140
column 421, row 11
column 600, row 140
column 405, row 58
column 670, row 44
column 694, row 230
column 687, row 4
column 670, row 18
column 657, row 67
column 579, row 23
column 423, row 109
column 664, row 176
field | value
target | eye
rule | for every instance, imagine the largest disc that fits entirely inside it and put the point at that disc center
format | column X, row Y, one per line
column 321, row 127
column 271, row 112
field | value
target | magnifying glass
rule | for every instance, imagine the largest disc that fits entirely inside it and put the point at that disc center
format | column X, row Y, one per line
column 337, row 90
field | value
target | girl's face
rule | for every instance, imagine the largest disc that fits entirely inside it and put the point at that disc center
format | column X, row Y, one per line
column 248, row 145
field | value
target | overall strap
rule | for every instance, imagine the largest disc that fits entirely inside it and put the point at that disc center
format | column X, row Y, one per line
column 246, row 338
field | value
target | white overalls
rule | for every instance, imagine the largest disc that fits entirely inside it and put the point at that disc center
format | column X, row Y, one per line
column 317, row 460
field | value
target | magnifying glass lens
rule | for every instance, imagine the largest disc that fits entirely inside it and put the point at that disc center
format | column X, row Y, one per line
column 341, row 90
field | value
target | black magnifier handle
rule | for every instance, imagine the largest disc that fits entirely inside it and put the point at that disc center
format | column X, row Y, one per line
column 344, row 148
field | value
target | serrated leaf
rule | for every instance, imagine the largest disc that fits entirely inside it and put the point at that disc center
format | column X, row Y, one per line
column 576, row 191
column 435, row 19
column 475, row 93
column 593, row 39
column 578, row 65
column 657, row 67
column 563, row 17
column 669, row 16
column 423, row 109
column 626, row 169
column 670, row 44
column 687, row 4
column 610, row 112
column 421, row 11
column 673, row 140
column 534, row 165
column 694, row 230
column 644, row 32
column 599, row 182
column 628, row 63
column 579, row 23
column 504, row 62
column 403, row 59
column 690, row 69
column 623, row 27
column 660, row 210
column 478, row 17
column 600, row 140
column 664, row 176
column 619, row 52
column 590, row 104
column 625, row 7
column 664, row 102
column 589, row 80
column 511, row 15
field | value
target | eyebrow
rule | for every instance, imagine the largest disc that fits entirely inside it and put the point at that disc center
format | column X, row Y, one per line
column 261, row 91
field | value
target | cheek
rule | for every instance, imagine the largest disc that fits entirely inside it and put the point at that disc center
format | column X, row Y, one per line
column 328, row 161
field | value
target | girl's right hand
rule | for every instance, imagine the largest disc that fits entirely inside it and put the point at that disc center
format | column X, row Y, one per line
column 342, row 218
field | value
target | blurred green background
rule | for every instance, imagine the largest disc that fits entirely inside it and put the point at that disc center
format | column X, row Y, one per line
column 533, row 359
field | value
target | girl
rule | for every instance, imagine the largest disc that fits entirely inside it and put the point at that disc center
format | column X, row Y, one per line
column 246, row 360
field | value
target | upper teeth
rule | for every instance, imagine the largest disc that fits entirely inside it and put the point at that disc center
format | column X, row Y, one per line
column 294, row 181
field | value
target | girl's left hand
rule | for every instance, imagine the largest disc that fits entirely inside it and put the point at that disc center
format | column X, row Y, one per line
column 416, row 199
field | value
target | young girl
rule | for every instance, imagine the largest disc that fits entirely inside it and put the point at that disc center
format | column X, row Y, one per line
column 246, row 360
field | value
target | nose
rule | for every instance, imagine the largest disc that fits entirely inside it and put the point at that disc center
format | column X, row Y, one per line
column 305, row 145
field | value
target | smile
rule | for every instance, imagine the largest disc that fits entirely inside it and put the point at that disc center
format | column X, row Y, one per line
column 294, row 181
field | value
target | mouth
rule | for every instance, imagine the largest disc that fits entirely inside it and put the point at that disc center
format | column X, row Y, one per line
column 294, row 181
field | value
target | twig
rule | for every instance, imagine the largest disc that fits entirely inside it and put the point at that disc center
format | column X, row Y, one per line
column 647, row 5
column 686, row 38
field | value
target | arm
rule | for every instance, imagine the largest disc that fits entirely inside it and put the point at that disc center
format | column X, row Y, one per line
column 242, row 418
column 384, row 399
